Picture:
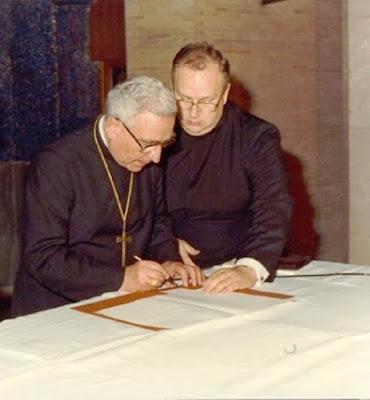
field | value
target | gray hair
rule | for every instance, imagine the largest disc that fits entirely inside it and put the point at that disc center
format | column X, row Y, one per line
column 137, row 95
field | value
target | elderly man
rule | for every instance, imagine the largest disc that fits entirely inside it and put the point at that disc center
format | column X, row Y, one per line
column 94, row 217
column 226, row 186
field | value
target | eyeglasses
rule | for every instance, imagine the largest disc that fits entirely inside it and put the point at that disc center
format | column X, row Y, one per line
column 152, row 143
column 208, row 106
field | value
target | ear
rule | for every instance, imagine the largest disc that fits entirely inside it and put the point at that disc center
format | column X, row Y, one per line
column 111, row 128
column 226, row 93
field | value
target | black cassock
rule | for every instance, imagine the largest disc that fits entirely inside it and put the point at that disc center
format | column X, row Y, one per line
column 71, row 224
column 227, row 191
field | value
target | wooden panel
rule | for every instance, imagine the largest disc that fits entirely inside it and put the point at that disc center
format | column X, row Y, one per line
column 12, row 183
column 107, row 30
column 111, row 73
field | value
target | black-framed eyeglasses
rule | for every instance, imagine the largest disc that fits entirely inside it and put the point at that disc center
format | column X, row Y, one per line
column 152, row 143
column 187, row 104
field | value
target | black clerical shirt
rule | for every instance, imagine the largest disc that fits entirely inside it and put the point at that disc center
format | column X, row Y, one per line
column 227, row 191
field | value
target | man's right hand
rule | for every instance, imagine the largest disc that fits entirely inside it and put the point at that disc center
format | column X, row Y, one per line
column 144, row 275
column 189, row 274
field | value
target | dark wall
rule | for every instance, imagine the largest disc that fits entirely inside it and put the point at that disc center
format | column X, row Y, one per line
column 48, row 85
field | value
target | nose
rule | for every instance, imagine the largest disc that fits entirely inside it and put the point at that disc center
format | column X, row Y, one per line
column 194, row 110
column 155, row 153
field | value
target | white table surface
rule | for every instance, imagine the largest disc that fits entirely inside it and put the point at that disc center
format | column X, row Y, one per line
column 315, row 345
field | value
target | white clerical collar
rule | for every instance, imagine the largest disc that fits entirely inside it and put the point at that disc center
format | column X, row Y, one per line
column 101, row 130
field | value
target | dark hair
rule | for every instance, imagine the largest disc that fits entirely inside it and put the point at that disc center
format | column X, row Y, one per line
column 196, row 55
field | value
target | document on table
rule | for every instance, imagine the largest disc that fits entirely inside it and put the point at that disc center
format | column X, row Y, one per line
column 177, row 308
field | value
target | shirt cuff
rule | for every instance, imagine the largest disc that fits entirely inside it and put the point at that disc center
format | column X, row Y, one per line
column 261, row 271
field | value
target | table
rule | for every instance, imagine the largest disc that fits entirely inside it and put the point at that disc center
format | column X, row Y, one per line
column 230, row 346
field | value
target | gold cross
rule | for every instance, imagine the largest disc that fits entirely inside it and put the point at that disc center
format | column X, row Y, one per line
column 123, row 238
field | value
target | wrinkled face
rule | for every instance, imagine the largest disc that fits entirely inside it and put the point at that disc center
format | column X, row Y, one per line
column 201, row 96
column 143, row 143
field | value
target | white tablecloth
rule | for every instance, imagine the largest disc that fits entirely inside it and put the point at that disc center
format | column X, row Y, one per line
column 315, row 345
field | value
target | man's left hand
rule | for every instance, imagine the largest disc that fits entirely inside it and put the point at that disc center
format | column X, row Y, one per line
column 230, row 279
column 189, row 274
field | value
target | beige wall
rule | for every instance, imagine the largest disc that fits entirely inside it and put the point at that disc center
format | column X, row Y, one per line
column 287, row 57
column 359, row 128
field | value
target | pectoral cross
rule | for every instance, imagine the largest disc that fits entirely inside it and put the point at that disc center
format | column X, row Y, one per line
column 123, row 239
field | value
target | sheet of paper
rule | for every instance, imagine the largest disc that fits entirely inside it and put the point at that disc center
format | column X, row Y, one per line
column 322, row 267
column 182, row 307
column 233, row 303
column 163, row 312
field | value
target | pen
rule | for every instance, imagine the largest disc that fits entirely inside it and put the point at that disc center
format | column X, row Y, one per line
column 153, row 282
